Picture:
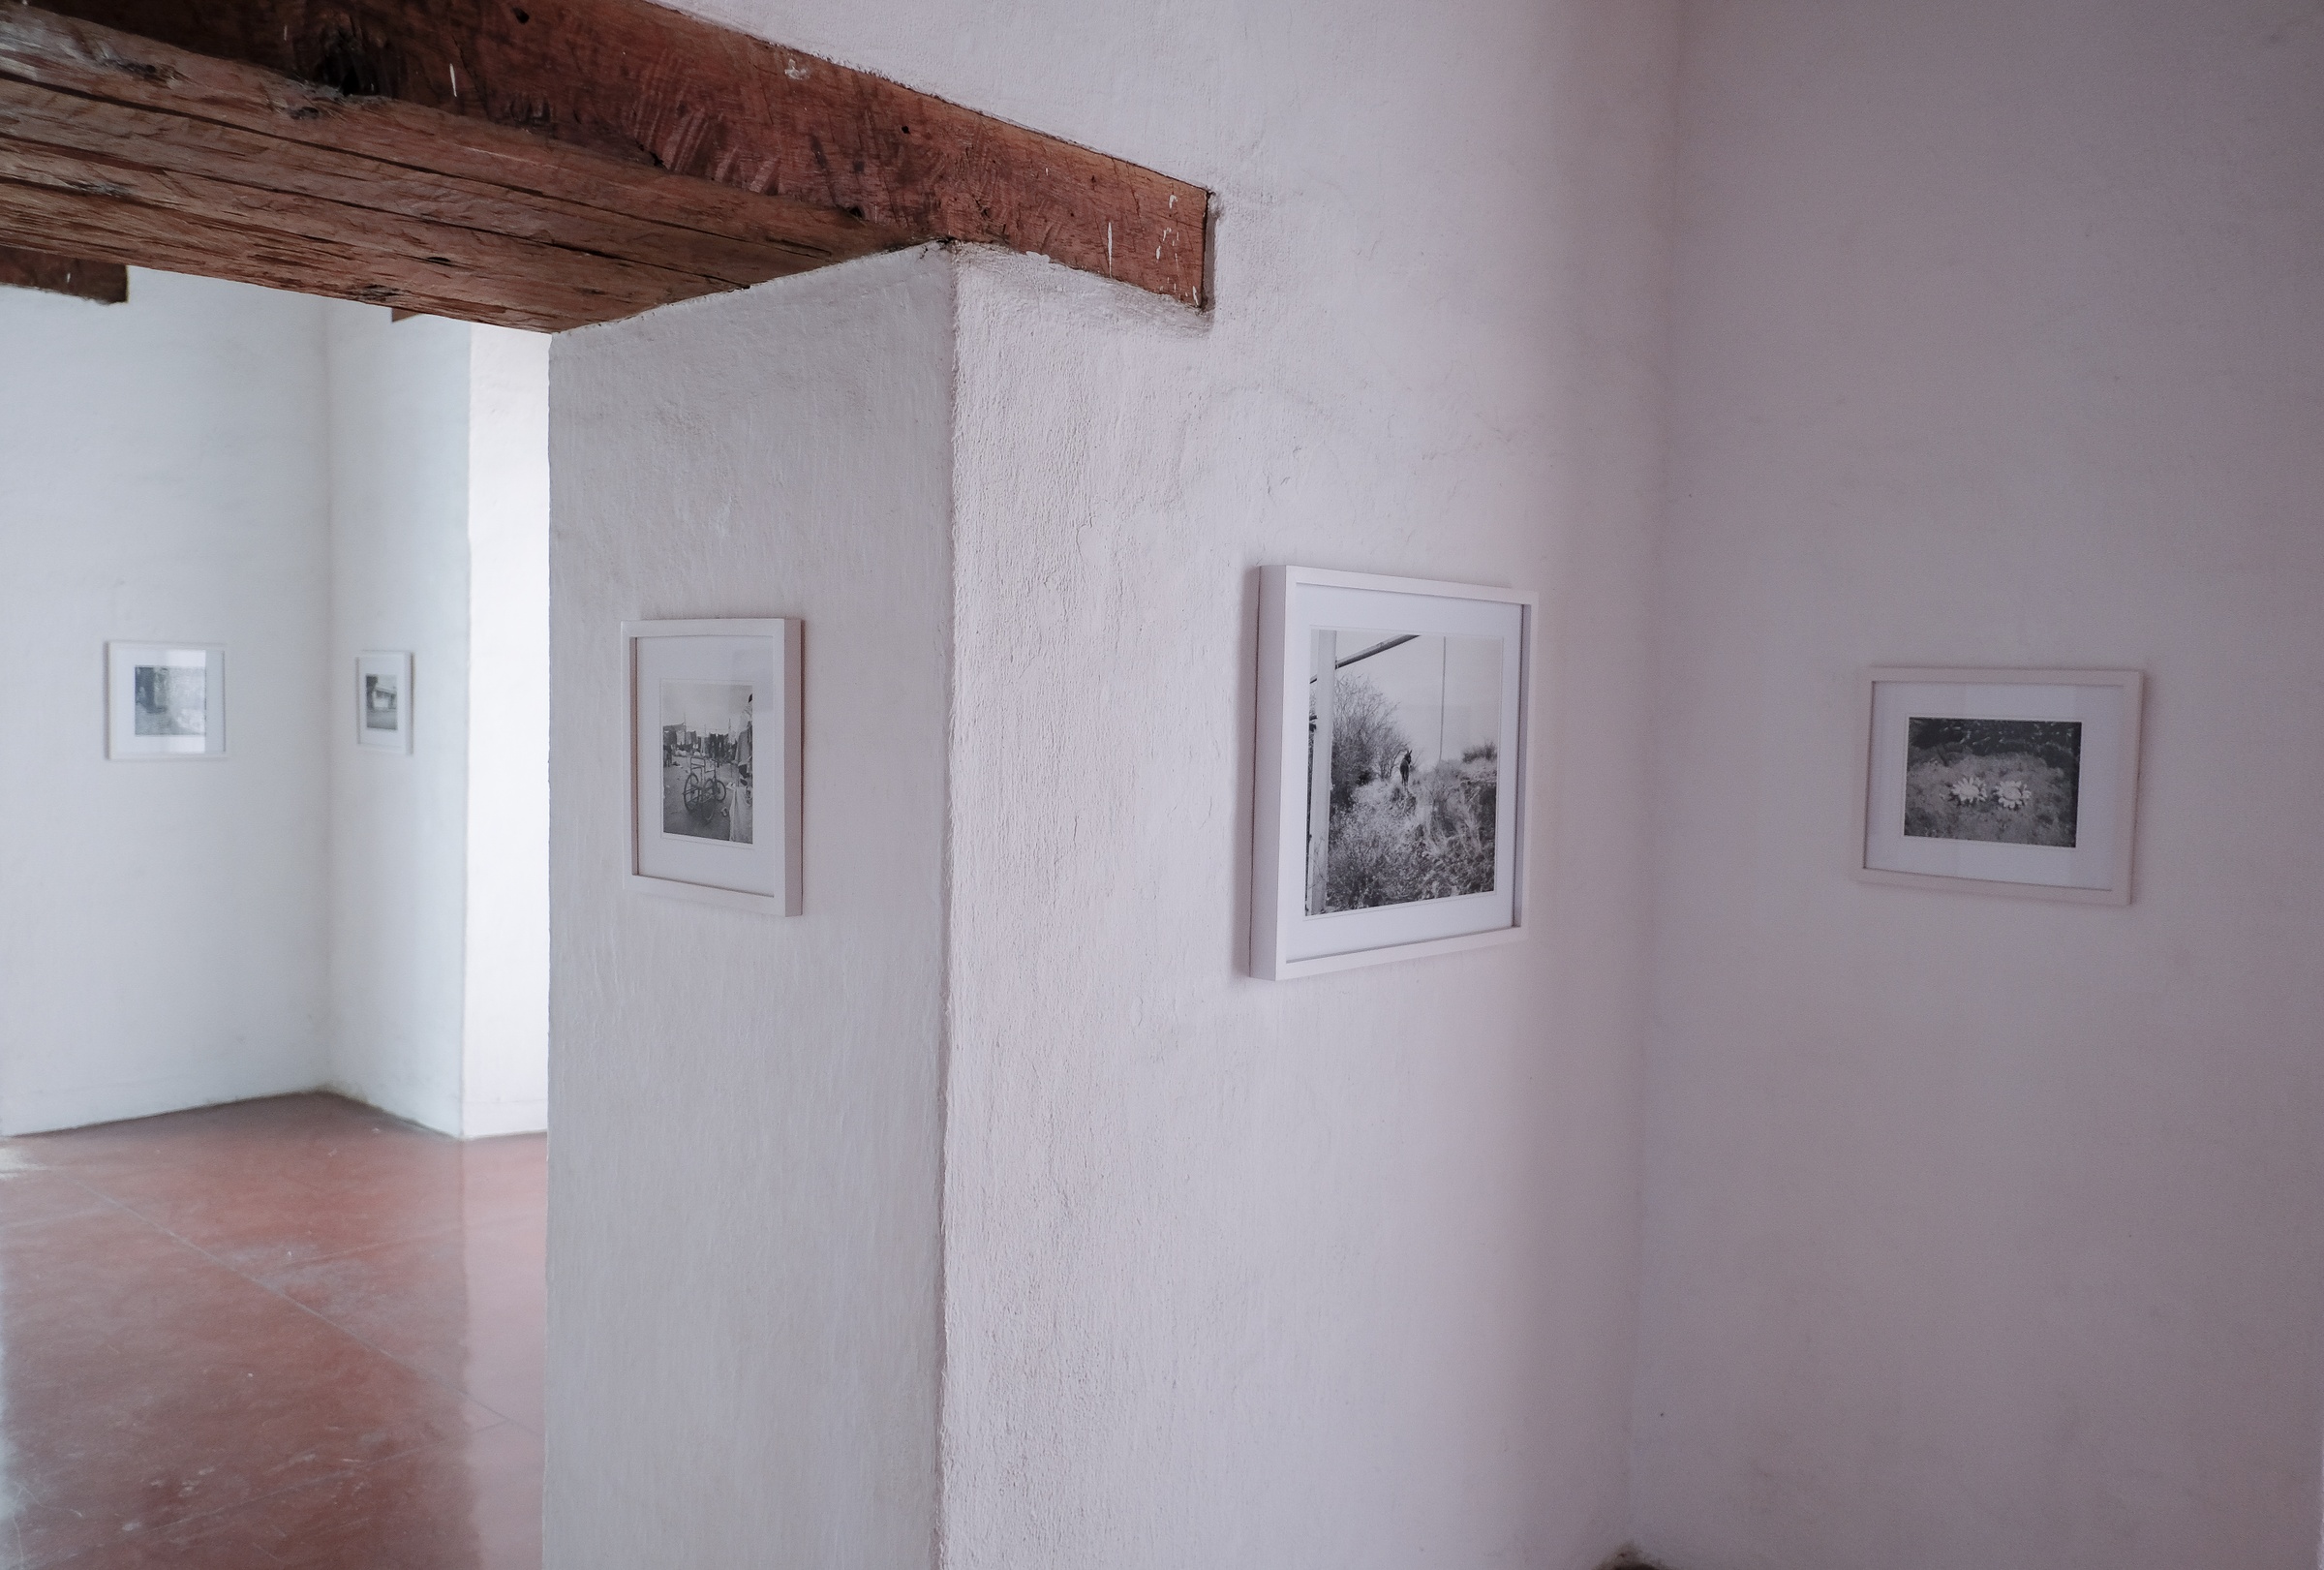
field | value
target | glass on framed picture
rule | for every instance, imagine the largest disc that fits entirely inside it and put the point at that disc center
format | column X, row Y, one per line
column 165, row 700
column 1392, row 748
column 384, row 700
column 713, row 736
column 2000, row 781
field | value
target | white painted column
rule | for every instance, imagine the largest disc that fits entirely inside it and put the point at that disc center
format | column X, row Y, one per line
column 743, row 1215
column 399, row 580
column 504, row 1035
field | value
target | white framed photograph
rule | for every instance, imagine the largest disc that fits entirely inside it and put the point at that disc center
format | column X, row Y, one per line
column 1389, row 822
column 2000, row 781
column 165, row 700
column 384, row 700
column 714, row 738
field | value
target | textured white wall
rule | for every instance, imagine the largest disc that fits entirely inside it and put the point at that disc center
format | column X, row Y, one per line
column 1985, row 1232
column 162, row 475
column 505, row 1028
column 399, row 413
column 743, row 1331
column 1337, row 1272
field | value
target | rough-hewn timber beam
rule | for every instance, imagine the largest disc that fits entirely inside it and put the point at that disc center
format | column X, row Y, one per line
column 104, row 282
column 127, row 150
column 593, row 86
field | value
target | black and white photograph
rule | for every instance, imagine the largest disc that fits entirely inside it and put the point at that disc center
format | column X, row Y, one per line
column 1404, row 760
column 164, row 701
column 1389, row 822
column 706, row 760
column 380, row 702
column 171, row 699
column 2004, row 781
column 714, row 762
column 2016, row 782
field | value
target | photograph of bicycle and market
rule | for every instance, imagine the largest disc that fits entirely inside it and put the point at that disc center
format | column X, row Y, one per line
column 706, row 760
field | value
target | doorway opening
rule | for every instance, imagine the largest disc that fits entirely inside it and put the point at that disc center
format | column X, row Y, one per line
column 273, row 1063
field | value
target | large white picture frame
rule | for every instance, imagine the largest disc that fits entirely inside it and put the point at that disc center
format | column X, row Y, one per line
column 715, row 767
column 1389, row 817
column 165, row 702
column 2000, row 782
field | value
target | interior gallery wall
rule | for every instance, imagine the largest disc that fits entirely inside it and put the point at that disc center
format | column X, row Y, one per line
column 1235, row 1272
column 164, row 475
column 1985, row 1231
column 291, row 479
column 744, row 1210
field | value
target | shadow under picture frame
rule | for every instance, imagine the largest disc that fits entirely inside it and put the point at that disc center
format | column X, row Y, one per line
column 2021, row 782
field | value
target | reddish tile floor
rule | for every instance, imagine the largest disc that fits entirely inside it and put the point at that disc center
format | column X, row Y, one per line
column 293, row 1331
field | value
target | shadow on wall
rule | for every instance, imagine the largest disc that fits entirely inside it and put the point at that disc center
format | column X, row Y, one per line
column 1628, row 1557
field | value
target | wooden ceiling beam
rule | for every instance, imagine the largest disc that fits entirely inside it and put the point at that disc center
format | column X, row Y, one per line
column 559, row 161
column 109, row 230
column 45, row 123
column 104, row 282
column 104, row 65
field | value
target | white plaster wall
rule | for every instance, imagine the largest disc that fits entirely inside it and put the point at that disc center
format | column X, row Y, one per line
column 1984, row 1233
column 162, row 475
column 399, row 540
column 505, row 1028
column 743, row 1332
column 1239, row 1274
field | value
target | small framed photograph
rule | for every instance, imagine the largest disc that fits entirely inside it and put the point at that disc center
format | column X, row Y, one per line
column 1390, row 815
column 384, row 700
column 714, row 738
column 2000, row 781
column 165, row 700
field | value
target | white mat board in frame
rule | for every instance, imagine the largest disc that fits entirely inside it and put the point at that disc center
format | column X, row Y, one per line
column 713, row 756
column 2000, row 782
column 1388, row 819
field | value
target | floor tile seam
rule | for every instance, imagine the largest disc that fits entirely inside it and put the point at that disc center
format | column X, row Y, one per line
column 73, row 1178
column 321, row 1318
column 103, row 1199
column 254, row 1499
column 460, row 1228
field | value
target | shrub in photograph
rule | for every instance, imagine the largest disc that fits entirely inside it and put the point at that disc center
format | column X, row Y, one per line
column 1400, row 832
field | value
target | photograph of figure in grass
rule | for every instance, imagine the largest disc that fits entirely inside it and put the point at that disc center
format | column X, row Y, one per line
column 706, row 760
column 2004, row 781
column 1404, row 765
